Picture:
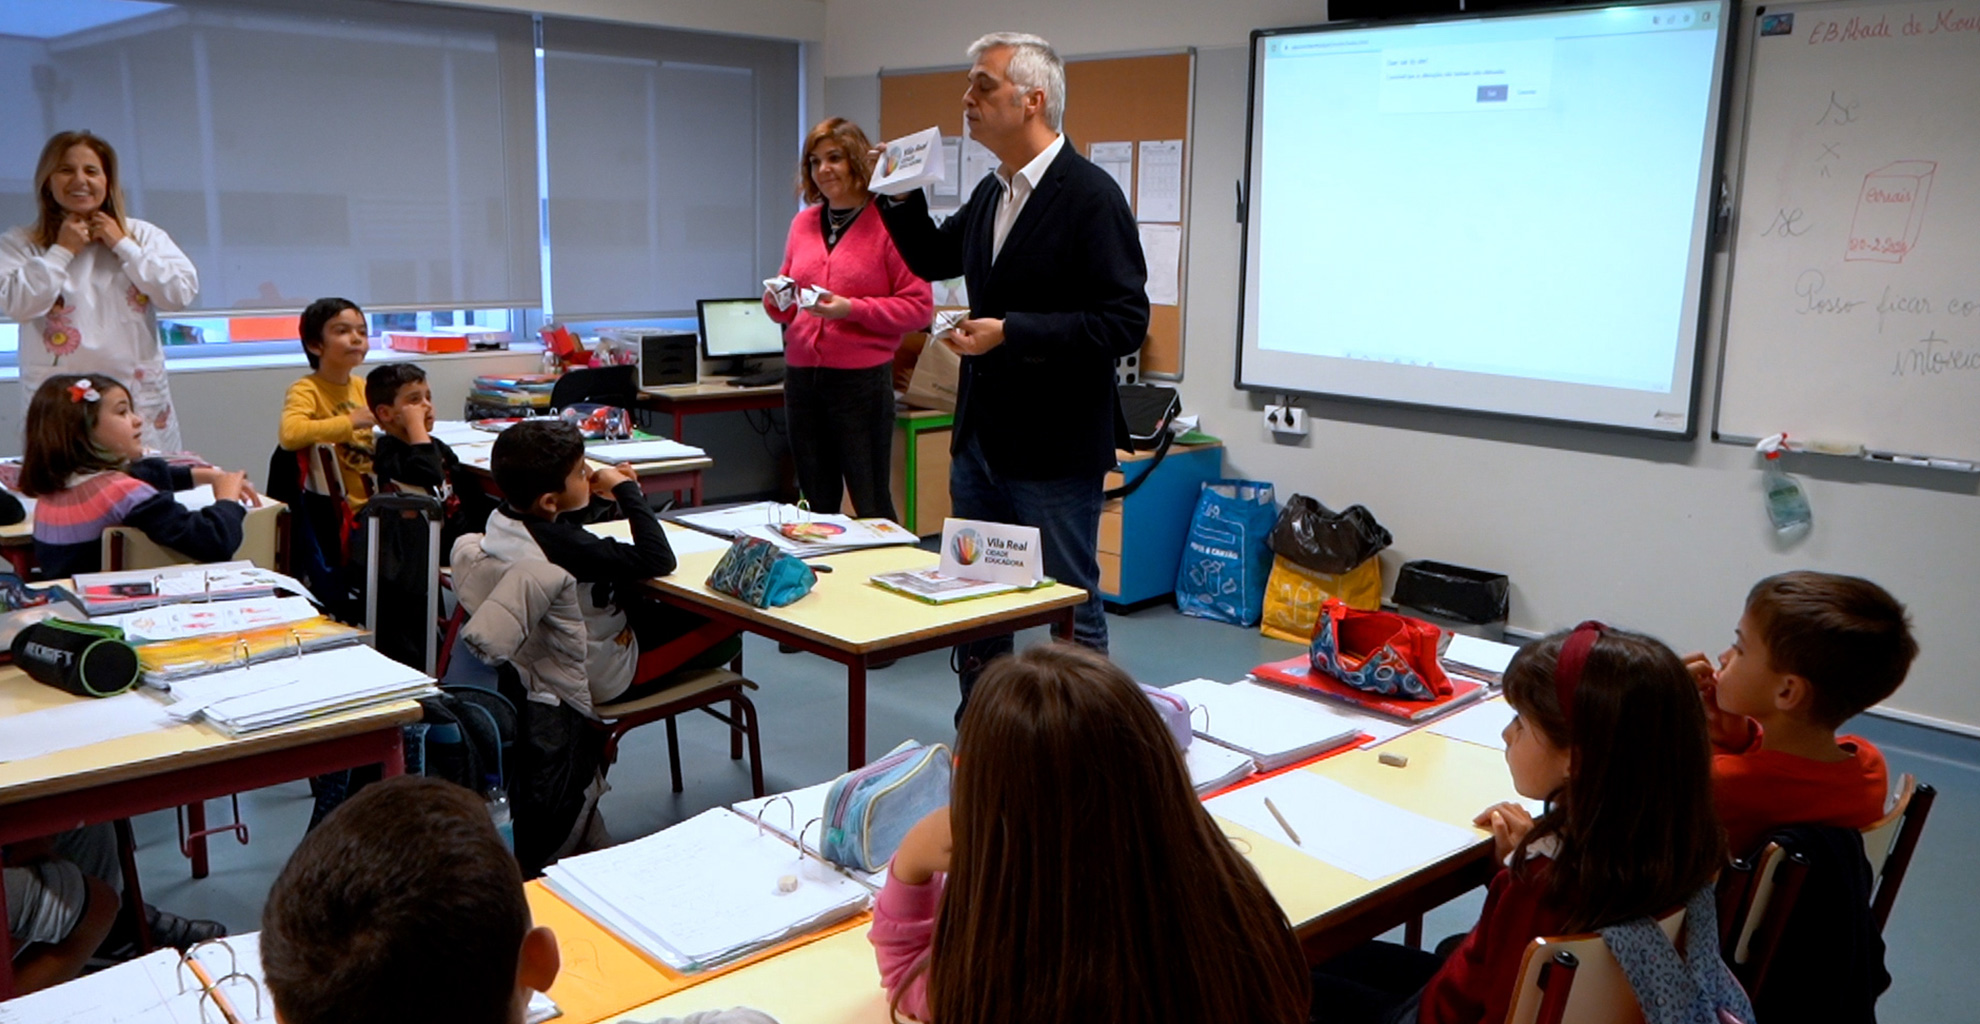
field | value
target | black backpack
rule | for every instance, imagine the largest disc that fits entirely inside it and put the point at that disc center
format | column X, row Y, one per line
column 468, row 737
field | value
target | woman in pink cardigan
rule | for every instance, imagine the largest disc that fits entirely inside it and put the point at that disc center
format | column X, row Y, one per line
column 839, row 351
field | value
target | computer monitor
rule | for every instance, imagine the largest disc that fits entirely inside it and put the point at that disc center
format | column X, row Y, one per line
column 736, row 330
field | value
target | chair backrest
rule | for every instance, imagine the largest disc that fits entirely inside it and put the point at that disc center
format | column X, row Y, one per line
column 126, row 547
column 1572, row 979
column 605, row 385
column 1889, row 842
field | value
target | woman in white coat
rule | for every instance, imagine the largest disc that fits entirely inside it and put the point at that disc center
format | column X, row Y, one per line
column 86, row 283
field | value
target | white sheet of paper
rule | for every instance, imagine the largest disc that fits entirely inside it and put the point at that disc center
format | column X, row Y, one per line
column 199, row 618
column 953, row 292
column 949, row 189
column 1117, row 159
column 1481, row 723
column 1479, row 653
column 977, row 161
column 1212, row 766
column 1161, row 246
column 655, row 449
column 68, row 726
column 477, row 454
column 1337, row 825
column 688, row 542
column 195, row 498
column 142, row 991
column 727, row 521
column 1158, row 188
column 456, row 432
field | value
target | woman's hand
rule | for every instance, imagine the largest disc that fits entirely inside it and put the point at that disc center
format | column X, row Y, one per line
column 830, row 306
column 73, row 235
column 925, row 849
column 104, row 228
column 1509, row 823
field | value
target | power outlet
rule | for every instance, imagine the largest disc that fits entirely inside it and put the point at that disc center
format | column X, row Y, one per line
column 1286, row 419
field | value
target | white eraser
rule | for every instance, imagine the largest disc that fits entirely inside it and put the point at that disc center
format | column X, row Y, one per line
column 1393, row 760
column 787, row 884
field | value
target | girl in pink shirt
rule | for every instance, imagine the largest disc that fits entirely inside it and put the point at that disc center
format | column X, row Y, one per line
column 1075, row 876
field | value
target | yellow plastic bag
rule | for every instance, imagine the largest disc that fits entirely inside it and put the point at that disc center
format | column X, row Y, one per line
column 1293, row 595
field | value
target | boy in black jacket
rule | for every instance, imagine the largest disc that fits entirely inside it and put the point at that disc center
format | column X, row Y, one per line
column 549, row 493
column 409, row 458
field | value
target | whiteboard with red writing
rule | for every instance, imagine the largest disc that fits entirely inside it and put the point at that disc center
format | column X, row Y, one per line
column 1853, row 315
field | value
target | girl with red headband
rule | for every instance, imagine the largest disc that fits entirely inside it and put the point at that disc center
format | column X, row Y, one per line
column 1610, row 734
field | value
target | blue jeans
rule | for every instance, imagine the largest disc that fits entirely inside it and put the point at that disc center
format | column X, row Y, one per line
column 1067, row 514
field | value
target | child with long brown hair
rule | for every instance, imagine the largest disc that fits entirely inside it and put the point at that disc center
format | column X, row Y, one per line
column 1611, row 735
column 1075, row 875
column 84, row 459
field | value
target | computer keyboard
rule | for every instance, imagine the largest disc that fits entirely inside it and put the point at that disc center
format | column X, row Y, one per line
column 761, row 379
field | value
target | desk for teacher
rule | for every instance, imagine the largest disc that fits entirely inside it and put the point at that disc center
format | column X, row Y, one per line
column 172, row 767
column 836, row 980
column 851, row 621
column 709, row 396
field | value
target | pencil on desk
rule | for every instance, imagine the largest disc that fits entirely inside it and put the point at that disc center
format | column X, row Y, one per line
column 1281, row 819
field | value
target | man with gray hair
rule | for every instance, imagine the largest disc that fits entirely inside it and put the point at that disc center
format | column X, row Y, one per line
column 1049, row 251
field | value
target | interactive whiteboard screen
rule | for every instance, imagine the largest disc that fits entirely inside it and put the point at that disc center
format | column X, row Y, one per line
column 1507, row 214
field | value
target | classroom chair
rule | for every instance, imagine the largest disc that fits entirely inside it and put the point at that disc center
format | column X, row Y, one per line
column 695, row 690
column 264, row 541
column 604, row 385
column 1765, row 899
column 1889, row 843
column 1572, row 979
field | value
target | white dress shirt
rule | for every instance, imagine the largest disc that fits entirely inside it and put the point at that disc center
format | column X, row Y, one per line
column 1017, row 190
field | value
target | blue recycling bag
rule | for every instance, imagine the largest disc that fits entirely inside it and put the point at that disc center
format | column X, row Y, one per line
column 1225, row 558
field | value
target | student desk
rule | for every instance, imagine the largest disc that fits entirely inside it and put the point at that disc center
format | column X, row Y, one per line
column 708, row 396
column 171, row 767
column 835, row 980
column 851, row 621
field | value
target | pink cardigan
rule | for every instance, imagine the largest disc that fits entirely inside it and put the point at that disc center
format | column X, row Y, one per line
column 903, row 929
column 888, row 301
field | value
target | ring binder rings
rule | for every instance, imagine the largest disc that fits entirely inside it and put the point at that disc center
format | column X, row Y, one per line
column 216, row 1005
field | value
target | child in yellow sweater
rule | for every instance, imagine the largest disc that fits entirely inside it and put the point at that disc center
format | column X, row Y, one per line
column 328, row 407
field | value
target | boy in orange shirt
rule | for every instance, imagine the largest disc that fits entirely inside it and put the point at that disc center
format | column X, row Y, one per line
column 1811, row 651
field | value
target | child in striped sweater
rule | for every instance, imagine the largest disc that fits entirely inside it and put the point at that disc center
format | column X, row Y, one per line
column 83, row 459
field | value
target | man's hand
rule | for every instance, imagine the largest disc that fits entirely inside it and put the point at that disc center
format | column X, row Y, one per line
column 975, row 337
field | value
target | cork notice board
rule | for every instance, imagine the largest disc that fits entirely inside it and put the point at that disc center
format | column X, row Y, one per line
column 1131, row 100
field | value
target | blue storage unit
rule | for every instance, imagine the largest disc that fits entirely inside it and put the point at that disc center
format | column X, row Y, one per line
column 1141, row 535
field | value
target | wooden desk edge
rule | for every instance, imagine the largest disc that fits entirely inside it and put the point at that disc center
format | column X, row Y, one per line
column 395, row 714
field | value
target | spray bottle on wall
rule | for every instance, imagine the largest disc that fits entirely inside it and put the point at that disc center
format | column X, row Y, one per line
column 1787, row 504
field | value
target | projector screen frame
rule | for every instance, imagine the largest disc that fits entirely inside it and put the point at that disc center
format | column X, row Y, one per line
column 1708, row 244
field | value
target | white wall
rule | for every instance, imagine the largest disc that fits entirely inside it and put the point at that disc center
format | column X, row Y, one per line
column 1657, row 535
column 774, row 19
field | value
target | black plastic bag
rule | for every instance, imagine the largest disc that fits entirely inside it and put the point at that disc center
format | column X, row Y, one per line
column 1476, row 596
column 1315, row 537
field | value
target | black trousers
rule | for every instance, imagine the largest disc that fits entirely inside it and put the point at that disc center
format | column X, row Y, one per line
column 1373, row 983
column 842, row 436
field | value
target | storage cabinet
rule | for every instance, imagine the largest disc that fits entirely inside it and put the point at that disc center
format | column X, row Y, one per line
column 1141, row 535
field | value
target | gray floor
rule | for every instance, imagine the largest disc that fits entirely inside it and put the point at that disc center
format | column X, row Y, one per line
column 1932, row 934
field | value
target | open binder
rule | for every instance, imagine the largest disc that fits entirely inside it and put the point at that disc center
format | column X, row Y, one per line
column 710, row 890
column 216, row 982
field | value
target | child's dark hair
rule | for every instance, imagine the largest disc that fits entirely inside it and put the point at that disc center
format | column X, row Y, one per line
column 311, row 324
column 534, row 458
column 60, row 438
column 1637, row 831
column 404, row 904
column 381, row 386
column 1084, row 864
column 1846, row 635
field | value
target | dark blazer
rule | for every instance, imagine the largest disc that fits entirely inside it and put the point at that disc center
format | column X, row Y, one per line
column 1070, row 286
